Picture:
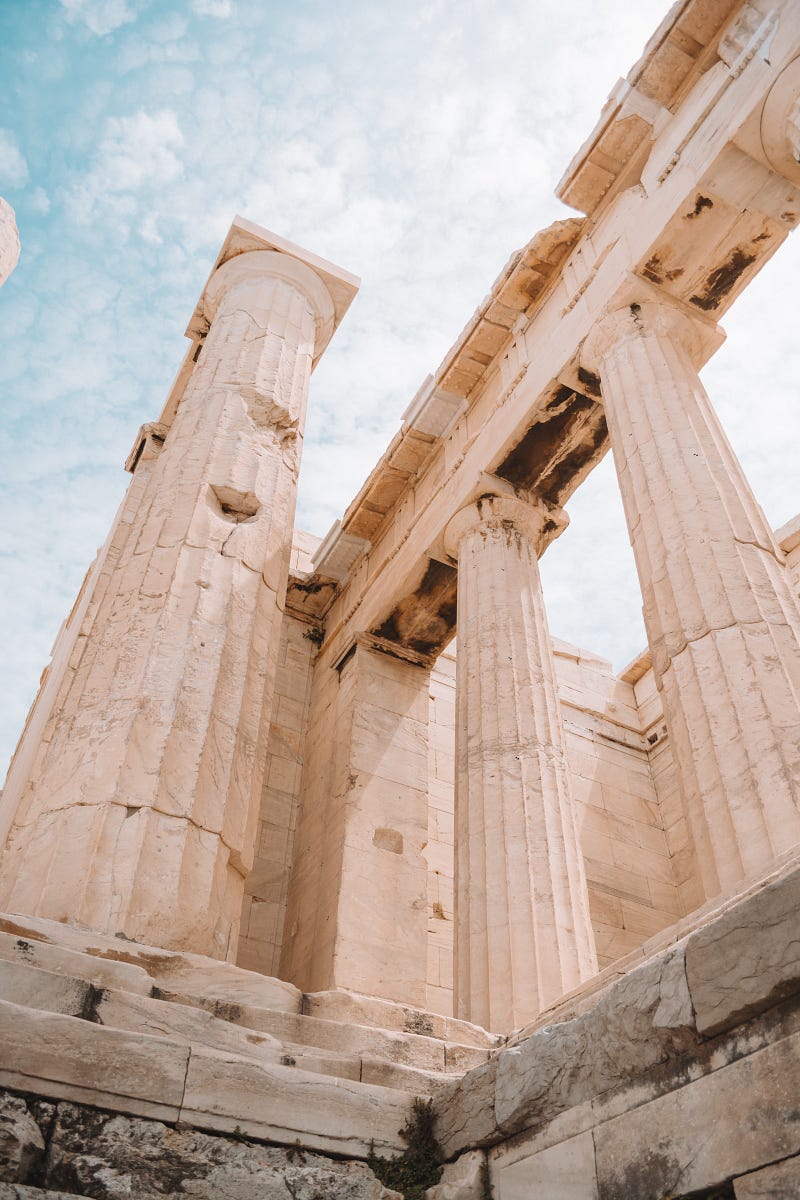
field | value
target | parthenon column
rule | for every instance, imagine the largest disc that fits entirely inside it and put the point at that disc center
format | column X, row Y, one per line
column 523, row 934
column 138, row 813
column 721, row 620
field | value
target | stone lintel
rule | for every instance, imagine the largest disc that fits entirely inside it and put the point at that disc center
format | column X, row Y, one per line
column 379, row 645
column 337, row 552
column 152, row 434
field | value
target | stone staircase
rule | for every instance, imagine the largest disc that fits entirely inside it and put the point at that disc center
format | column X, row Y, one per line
column 194, row 1041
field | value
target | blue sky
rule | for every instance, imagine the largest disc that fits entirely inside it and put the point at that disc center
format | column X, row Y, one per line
column 417, row 144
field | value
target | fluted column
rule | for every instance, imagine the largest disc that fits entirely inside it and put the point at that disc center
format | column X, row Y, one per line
column 523, row 934
column 139, row 811
column 721, row 620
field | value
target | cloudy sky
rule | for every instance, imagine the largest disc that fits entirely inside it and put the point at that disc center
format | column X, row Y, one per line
column 417, row 144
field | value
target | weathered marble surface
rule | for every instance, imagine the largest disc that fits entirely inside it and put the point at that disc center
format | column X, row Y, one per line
column 72, row 1149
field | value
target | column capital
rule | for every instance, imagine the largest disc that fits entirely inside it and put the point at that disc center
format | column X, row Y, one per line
column 650, row 317
column 9, row 240
column 540, row 521
column 251, row 269
column 780, row 124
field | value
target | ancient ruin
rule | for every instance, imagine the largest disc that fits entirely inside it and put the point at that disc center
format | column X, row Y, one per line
column 299, row 830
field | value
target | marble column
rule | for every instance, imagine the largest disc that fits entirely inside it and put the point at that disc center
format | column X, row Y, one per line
column 138, row 814
column 523, row 933
column 721, row 619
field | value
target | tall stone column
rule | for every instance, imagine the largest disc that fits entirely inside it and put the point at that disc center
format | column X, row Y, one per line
column 721, row 620
column 139, row 811
column 523, row 934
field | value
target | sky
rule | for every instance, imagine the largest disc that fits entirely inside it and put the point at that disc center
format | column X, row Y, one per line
column 415, row 144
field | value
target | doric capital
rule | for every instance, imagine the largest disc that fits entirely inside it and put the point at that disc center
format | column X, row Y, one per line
column 648, row 318
column 248, row 271
column 780, row 123
column 539, row 521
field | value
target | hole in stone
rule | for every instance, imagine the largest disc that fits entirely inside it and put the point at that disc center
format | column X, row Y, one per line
column 233, row 504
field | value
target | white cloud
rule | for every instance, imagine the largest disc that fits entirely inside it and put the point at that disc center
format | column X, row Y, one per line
column 40, row 201
column 213, row 8
column 13, row 167
column 136, row 153
column 99, row 16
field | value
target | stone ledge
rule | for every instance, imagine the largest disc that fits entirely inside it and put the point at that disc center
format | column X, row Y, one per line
column 67, row 1058
column 647, row 1033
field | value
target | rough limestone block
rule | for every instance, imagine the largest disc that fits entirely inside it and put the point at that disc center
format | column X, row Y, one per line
column 461, row 1180
column 732, row 1121
column 34, row 988
column 53, row 1055
column 385, row 1014
column 93, row 968
column 565, row 1171
column 135, row 967
column 21, row 1141
column 183, row 1023
column 283, row 1104
column 111, row 1157
column 747, row 959
column 777, row 1182
column 643, row 1021
column 464, row 1110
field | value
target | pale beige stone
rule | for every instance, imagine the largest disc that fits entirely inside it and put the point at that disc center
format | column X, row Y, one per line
column 139, row 810
column 523, row 933
column 283, row 1104
column 723, row 625
column 356, row 914
column 462, row 1179
column 562, row 1172
column 58, row 1056
column 747, row 959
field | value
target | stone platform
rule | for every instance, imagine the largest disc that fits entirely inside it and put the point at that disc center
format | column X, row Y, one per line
column 185, row 1039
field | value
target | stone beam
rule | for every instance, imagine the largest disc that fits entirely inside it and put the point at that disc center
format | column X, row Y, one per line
column 695, row 221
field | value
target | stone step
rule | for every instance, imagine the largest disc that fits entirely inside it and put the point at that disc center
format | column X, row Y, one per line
column 33, row 987
column 155, row 991
column 70, row 1058
column 406, row 1049
column 45, row 942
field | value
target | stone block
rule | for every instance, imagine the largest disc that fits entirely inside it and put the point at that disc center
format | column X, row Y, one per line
column 183, row 1023
column 34, row 988
column 462, row 1179
column 643, row 1021
column 748, row 958
column 732, row 1121
column 565, row 1171
column 21, row 1141
column 283, row 1104
column 777, row 1182
column 92, row 968
column 57, row 1056
column 465, row 1111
